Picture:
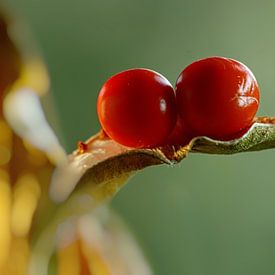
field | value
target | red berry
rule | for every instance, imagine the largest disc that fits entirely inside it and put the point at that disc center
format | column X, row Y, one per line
column 179, row 135
column 137, row 108
column 217, row 97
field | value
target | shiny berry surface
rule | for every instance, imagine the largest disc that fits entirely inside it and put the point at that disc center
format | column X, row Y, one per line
column 137, row 108
column 180, row 135
column 217, row 97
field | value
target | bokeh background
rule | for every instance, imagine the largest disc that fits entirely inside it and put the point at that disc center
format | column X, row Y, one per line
column 210, row 215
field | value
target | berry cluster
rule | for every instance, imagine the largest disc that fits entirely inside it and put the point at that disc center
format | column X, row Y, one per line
column 215, row 97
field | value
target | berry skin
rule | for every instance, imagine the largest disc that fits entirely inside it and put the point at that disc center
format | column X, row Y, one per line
column 217, row 97
column 137, row 108
column 180, row 135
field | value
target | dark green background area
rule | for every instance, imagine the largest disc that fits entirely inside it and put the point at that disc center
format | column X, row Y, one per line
column 210, row 215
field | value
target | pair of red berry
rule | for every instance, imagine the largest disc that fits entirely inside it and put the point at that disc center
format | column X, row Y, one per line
column 215, row 97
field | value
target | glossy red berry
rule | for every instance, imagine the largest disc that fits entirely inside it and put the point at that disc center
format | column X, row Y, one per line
column 137, row 108
column 217, row 97
column 180, row 135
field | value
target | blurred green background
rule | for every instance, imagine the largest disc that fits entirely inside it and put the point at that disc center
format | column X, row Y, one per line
column 210, row 215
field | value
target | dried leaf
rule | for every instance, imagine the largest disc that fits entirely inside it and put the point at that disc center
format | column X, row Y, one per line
column 101, row 160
